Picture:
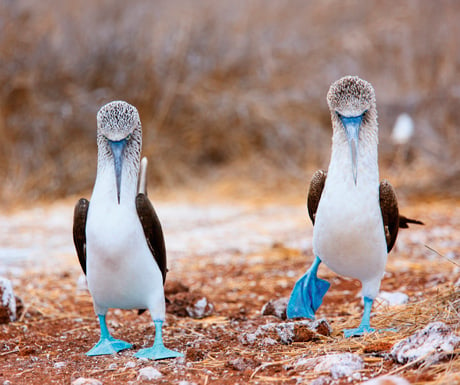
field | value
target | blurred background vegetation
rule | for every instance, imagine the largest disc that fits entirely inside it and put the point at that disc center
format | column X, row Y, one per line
column 225, row 89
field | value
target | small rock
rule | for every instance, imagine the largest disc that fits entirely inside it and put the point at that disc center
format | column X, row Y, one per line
column 288, row 332
column 276, row 308
column 187, row 304
column 241, row 364
column 321, row 380
column 200, row 309
column 112, row 366
column 175, row 287
column 186, row 383
column 433, row 342
column 58, row 365
column 7, row 301
column 130, row 364
column 340, row 365
column 387, row 380
column 149, row 373
column 394, row 298
column 86, row 381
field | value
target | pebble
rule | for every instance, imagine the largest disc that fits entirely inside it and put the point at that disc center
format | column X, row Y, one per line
column 200, row 309
column 276, row 307
column 387, row 380
column 340, row 365
column 428, row 345
column 149, row 373
column 7, row 301
column 287, row 332
column 86, row 381
column 393, row 298
column 130, row 364
column 58, row 365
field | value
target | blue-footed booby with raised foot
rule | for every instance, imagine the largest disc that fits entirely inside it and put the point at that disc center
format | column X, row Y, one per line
column 355, row 217
column 118, row 236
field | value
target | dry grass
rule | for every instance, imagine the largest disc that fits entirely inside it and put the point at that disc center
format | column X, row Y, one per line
column 233, row 86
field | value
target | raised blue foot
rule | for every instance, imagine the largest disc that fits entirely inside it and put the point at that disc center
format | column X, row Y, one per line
column 308, row 293
column 158, row 351
column 364, row 327
column 107, row 344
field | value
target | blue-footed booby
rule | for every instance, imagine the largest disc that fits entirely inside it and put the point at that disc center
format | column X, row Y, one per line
column 355, row 217
column 118, row 236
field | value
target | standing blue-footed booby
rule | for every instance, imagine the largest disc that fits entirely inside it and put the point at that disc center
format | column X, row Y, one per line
column 355, row 218
column 118, row 236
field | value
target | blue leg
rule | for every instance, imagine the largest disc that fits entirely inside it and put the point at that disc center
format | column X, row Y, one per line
column 158, row 351
column 107, row 344
column 365, row 325
column 308, row 293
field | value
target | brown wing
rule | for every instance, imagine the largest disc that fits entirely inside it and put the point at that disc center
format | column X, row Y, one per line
column 152, row 230
column 79, row 230
column 390, row 212
column 314, row 194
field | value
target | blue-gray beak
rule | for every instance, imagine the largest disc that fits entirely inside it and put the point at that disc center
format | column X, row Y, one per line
column 118, row 148
column 352, row 125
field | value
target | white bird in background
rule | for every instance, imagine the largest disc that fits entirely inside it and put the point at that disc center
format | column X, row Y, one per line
column 403, row 131
column 118, row 236
column 355, row 217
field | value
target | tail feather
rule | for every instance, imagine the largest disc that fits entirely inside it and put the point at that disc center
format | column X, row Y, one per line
column 142, row 183
column 404, row 222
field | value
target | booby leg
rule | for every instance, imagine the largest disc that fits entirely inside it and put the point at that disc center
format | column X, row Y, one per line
column 107, row 344
column 308, row 293
column 158, row 351
column 364, row 326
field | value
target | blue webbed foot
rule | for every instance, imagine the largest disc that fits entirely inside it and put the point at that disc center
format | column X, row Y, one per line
column 308, row 293
column 108, row 345
column 359, row 331
column 364, row 326
column 158, row 351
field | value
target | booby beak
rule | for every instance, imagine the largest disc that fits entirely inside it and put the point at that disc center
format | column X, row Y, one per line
column 118, row 148
column 352, row 125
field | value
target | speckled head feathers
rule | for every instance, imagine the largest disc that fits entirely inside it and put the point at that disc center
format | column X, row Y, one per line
column 351, row 96
column 116, row 120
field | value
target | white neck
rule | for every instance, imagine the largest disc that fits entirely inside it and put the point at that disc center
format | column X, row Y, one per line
column 105, row 187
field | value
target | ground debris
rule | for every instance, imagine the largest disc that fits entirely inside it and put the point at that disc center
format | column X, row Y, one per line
column 387, row 380
column 189, row 304
column 149, row 373
column 86, row 381
column 429, row 345
column 288, row 332
column 7, row 301
column 336, row 365
column 276, row 308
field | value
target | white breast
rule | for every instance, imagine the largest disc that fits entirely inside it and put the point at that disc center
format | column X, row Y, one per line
column 121, row 270
column 348, row 234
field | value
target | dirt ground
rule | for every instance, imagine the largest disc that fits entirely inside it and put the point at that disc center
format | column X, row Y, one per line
column 57, row 324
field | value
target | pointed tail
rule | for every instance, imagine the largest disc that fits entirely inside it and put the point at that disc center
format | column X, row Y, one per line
column 404, row 222
column 142, row 182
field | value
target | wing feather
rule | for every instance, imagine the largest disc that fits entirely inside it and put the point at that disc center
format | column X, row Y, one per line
column 152, row 230
column 314, row 194
column 79, row 230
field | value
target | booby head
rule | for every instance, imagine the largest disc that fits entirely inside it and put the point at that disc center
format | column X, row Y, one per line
column 351, row 101
column 119, row 137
